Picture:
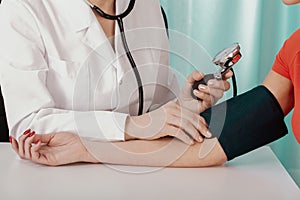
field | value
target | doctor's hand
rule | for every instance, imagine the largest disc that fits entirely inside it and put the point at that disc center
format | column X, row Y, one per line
column 169, row 120
column 209, row 93
column 51, row 149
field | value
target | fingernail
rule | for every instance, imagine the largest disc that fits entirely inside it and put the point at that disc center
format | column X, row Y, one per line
column 31, row 134
column 202, row 87
column 208, row 134
column 210, row 83
column 10, row 139
column 200, row 139
column 37, row 141
column 27, row 131
column 196, row 92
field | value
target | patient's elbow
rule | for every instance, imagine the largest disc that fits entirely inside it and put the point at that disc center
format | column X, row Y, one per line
column 211, row 153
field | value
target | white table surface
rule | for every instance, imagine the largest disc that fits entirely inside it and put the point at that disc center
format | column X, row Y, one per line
column 257, row 175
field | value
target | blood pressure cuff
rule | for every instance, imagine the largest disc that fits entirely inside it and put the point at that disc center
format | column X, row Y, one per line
column 246, row 122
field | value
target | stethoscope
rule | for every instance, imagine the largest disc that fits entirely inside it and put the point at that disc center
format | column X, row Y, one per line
column 119, row 18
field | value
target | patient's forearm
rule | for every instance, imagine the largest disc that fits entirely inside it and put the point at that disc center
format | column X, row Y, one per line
column 163, row 152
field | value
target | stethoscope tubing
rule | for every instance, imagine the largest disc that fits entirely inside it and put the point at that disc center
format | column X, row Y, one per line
column 119, row 18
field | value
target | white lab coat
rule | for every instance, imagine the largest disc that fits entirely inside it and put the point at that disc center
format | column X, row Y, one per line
column 60, row 73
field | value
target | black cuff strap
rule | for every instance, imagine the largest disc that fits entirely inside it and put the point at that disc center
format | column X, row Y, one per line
column 246, row 122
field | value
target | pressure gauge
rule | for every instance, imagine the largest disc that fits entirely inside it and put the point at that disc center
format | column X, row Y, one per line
column 228, row 57
column 225, row 59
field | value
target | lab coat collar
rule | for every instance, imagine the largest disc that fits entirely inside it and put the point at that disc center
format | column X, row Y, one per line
column 79, row 16
column 82, row 13
column 84, row 23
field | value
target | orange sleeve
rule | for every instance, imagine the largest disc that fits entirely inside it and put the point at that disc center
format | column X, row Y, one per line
column 287, row 64
column 280, row 64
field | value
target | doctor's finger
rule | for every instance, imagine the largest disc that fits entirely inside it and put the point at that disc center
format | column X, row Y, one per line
column 182, row 127
column 192, row 131
column 211, row 96
column 218, row 84
column 28, row 144
column 216, row 93
column 204, row 96
column 21, row 142
column 228, row 75
column 197, row 121
column 14, row 145
column 202, row 128
column 44, row 138
column 182, row 136
column 194, row 76
column 36, row 154
column 192, row 124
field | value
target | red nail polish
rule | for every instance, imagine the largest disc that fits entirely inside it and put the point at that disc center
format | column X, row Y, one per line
column 26, row 132
column 31, row 134
column 10, row 139
column 37, row 141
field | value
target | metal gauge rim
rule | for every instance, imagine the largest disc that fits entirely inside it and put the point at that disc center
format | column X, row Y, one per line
column 228, row 53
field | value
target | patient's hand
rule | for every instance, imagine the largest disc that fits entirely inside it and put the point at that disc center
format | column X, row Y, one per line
column 209, row 94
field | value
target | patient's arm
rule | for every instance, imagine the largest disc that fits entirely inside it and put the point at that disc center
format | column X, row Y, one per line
column 65, row 148
column 282, row 89
column 163, row 152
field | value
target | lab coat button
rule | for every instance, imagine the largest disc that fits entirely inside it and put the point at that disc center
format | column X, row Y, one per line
column 120, row 82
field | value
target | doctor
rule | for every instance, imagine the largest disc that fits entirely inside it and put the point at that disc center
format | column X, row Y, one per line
column 64, row 69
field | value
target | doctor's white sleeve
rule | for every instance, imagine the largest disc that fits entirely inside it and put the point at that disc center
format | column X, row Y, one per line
column 28, row 103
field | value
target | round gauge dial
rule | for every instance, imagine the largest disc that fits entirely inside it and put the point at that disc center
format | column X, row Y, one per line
column 227, row 54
